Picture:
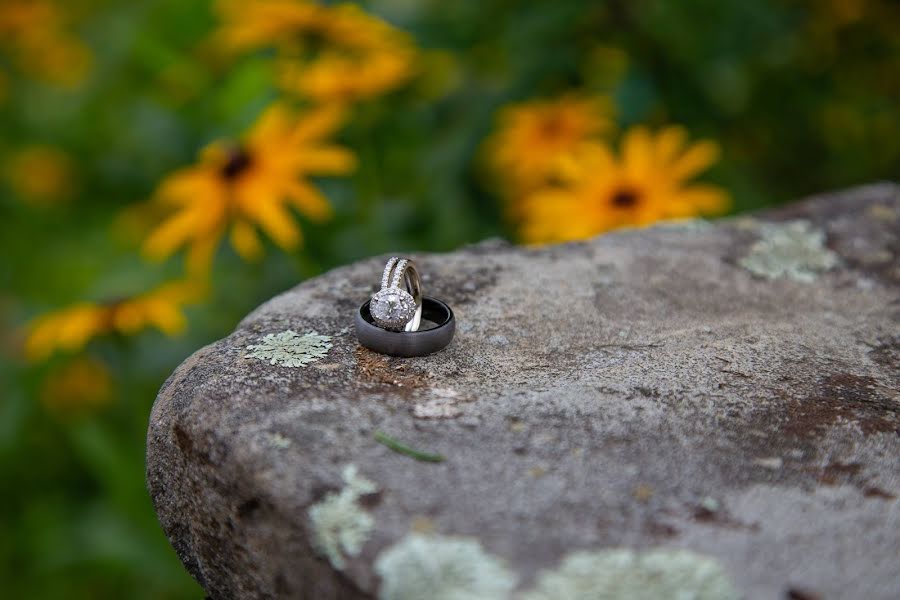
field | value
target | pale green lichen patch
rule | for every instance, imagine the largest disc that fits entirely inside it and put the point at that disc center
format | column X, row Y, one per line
column 793, row 250
column 442, row 568
column 340, row 526
column 279, row 441
column 624, row 574
column 290, row 349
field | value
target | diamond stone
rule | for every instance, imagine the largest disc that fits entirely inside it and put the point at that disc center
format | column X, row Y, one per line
column 392, row 308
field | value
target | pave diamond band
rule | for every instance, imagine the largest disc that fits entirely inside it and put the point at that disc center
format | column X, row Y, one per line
column 394, row 308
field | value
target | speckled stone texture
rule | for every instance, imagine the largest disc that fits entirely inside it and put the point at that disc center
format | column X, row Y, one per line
column 644, row 389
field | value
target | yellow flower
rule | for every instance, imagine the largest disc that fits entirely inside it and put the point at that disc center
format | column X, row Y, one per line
column 70, row 329
column 82, row 385
column 250, row 185
column 253, row 24
column 648, row 183
column 343, row 77
column 534, row 140
column 327, row 53
column 34, row 33
column 40, row 174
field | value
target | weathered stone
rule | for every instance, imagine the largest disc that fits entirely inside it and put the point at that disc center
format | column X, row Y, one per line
column 713, row 408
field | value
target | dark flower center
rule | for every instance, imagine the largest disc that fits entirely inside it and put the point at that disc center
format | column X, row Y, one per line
column 238, row 162
column 625, row 198
column 314, row 42
column 552, row 127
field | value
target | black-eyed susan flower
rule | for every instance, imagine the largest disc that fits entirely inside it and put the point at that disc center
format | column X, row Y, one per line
column 326, row 53
column 535, row 139
column 649, row 182
column 239, row 188
column 338, row 76
column 253, row 24
column 81, row 385
column 70, row 329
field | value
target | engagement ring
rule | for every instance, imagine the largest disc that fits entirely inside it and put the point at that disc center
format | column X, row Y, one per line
column 393, row 307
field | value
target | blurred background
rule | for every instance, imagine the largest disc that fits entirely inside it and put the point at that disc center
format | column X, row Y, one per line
column 168, row 165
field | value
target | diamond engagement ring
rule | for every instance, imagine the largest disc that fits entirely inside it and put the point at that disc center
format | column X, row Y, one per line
column 392, row 307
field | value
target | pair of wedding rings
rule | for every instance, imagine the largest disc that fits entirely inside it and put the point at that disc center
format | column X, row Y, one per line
column 399, row 320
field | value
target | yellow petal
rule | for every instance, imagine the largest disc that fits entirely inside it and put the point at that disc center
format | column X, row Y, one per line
column 705, row 199
column 669, row 143
column 309, row 201
column 592, row 160
column 555, row 216
column 328, row 160
column 186, row 185
column 80, row 326
column 245, row 241
column 274, row 123
column 200, row 254
column 637, row 152
column 171, row 235
column 41, row 338
column 318, row 123
column 68, row 329
column 277, row 223
column 165, row 316
column 128, row 317
column 696, row 159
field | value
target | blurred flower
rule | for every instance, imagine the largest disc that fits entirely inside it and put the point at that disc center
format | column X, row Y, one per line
column 342, row 77
column 35, row 35
column 648, row 183
column 40, row 174
column 251, row 185
column 253, row 24
column 839, row 13
column 82, row 385
column 327, row 53
column 70, row 329
column 534, row 140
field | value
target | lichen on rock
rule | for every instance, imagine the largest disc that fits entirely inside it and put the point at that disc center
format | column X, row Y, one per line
column 638, row 390
column 793, row 250
column 442, row 568
column 290, row 349
column 624, row 574
column 340, row 526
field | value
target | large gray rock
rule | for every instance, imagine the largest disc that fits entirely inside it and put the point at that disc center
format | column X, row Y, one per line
column 708, row 409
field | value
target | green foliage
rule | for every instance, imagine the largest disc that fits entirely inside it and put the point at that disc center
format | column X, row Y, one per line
column 802, row 98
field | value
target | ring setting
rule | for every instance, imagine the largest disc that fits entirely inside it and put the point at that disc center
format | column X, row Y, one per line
column 392, row 307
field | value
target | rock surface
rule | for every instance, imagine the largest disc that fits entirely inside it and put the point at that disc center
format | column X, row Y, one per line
column 716, row 402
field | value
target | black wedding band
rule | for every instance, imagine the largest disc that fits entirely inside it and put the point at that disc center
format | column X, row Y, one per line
column 408, row 343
